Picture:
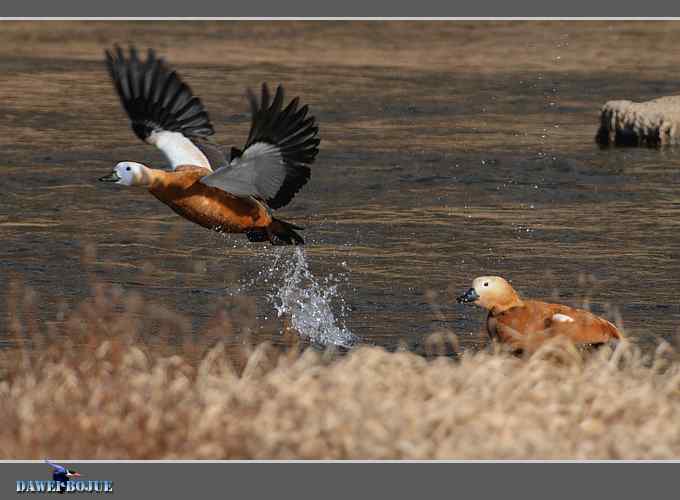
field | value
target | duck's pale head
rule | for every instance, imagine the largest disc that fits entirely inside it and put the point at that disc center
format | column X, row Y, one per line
column 491, row 292
column 128, row 173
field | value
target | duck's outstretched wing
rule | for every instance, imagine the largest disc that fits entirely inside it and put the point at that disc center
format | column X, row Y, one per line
column 162, row 109
column 274, row 163
column 58, row 469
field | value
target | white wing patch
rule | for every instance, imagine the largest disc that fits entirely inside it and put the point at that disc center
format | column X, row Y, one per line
column 562, row 318
column 178, row 149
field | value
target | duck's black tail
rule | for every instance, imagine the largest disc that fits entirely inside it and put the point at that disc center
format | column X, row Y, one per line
column 283, row 233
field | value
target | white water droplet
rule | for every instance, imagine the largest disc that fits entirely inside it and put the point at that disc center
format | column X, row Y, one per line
column 307, row 301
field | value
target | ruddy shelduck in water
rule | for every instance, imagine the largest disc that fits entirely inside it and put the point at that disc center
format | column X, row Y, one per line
column 232, row 193
column 526, row 324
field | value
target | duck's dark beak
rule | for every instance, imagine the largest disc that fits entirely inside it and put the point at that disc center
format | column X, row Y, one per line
column 470, row 296
column 112, row 177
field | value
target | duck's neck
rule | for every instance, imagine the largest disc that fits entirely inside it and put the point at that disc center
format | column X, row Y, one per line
column 510, row 300
column 151, row 177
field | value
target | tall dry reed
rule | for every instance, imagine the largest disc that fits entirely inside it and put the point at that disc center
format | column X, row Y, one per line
column 103, row 389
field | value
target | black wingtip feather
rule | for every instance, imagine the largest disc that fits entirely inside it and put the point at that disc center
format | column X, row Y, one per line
column 154, row 96
column 292, row 131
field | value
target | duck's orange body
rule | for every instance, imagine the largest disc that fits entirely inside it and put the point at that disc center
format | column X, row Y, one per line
column 207, row 206
column 526, row 324
column 531, row 322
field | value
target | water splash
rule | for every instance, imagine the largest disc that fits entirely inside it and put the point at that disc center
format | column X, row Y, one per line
column 307, row 301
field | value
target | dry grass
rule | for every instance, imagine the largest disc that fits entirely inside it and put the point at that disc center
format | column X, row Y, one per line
column 109, row 391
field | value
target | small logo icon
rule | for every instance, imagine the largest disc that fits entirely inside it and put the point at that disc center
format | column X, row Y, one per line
column 64, row 480
column 61, row 475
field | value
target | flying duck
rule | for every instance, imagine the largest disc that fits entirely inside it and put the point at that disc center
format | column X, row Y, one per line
column 230, row 194
column 61, row 474
column 525, row 324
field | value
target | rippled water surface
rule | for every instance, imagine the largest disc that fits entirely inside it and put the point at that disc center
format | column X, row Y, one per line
column 449, row 150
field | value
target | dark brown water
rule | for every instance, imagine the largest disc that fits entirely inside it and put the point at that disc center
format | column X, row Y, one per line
column 449, row 150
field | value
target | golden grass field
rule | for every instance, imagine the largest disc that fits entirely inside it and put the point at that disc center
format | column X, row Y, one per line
column 111, row 392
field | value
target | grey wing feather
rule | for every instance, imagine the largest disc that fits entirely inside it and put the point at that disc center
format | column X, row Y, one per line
column 260, row 172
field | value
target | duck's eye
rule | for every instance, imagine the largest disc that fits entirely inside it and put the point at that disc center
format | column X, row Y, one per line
column 127, row 168
column 486, row 284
